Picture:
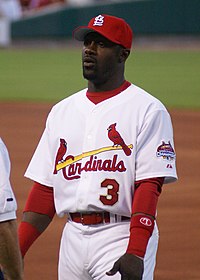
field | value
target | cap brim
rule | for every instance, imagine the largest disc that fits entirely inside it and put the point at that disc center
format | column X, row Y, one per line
column 81, row 32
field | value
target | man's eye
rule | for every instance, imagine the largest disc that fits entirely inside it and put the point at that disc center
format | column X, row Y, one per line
column 86, row 43
column 101, row 44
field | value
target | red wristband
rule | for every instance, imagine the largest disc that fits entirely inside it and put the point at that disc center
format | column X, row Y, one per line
column 144, row 209
column 27, row 234
column 140, row 231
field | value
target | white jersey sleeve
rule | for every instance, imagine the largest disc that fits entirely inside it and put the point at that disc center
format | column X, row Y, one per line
column 8, row 205
column 42, row 160
column 155, row 153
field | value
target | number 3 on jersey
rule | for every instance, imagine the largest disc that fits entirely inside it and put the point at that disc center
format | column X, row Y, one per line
column 112, row 192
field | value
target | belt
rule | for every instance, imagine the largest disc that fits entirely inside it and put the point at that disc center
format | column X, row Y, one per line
column 94, row 218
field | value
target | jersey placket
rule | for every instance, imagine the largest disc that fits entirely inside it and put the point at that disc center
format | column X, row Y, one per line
column 83, row 190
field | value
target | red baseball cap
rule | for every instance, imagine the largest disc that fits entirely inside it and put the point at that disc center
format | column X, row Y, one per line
column 113, row 28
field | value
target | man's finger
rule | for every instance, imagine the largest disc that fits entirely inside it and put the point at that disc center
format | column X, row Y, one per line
column 111, row 272
column 114, row 269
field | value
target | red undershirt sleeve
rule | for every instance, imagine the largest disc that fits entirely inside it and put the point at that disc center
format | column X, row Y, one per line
column 143, row 214
column 40, row 200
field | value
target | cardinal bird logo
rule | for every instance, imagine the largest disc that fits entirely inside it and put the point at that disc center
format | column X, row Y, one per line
column 60, row 153
column 117, row 140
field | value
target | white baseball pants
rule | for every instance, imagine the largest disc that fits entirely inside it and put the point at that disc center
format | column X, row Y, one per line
column 88, row 252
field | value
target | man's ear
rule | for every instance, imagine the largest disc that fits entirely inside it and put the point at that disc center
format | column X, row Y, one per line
column 123, row 55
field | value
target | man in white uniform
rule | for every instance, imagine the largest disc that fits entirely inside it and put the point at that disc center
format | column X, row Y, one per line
column 104, row 155
column 10, row 257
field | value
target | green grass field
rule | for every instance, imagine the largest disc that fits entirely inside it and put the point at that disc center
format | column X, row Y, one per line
column 50, row 75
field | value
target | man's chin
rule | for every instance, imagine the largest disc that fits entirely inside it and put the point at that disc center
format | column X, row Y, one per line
column 89, row 76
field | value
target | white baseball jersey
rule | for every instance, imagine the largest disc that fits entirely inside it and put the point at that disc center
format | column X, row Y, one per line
column 89, row 171
column 8, row 205
column 92, row 154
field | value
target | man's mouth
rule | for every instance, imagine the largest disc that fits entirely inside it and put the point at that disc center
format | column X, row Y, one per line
column 89, row 62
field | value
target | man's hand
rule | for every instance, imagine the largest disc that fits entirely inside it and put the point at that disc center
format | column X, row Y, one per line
column 129, row 266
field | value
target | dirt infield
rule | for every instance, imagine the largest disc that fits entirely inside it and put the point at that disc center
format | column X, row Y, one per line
column 178, row 210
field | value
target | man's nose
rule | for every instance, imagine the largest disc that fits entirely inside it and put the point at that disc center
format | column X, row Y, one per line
column 91, row 47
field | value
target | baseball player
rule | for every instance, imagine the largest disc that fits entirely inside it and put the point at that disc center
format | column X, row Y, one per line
column 104, row 155
column 10, row 257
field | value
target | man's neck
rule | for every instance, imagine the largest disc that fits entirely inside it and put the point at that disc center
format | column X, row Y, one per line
column 108, row 86
column 97, row 97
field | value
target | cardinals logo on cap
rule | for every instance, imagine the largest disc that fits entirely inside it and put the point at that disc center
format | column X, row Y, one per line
column 99, row 20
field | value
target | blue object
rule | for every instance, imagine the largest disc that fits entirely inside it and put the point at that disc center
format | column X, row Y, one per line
column 1, row 275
